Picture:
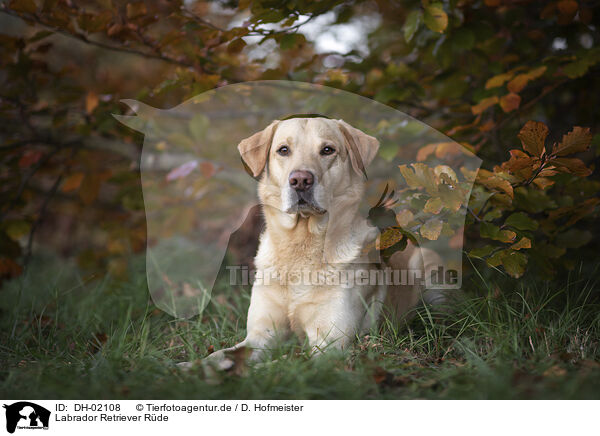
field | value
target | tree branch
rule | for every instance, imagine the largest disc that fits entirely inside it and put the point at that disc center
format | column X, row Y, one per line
column 83, row 38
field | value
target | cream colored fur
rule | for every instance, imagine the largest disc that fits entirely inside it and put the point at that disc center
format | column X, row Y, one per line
column 328, row 236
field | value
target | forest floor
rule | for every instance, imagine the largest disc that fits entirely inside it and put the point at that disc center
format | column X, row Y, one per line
column 105, row 339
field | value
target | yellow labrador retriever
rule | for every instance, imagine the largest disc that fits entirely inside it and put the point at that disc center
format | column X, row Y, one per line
column 312, row 275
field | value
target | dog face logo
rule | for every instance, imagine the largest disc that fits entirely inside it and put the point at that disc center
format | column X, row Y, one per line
column 26, row 415
column 199, row 188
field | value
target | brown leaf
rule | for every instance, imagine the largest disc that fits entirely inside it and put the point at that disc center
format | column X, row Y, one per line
column 425, row 152
column 73, row 182
column 97, row 342
column 495, row 182
column 571, row 165
column 207, row 169
column 510, row 102
column 577, row 140
column 555, row 371
column 90, row 186
column 567, row 7
column 30, row 157
column 136, row 9
column 236, row 46
column 91, row 102
column 533, row 137
column 9, row 268
column 25, row 6
column 543, row 182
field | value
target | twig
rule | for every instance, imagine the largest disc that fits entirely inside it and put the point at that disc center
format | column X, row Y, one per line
column 40, row 217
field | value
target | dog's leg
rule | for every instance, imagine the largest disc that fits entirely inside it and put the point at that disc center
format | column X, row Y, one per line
column 267, row 321
column 334, row 325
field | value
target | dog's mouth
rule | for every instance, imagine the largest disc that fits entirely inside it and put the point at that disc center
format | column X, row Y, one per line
column 306, row 205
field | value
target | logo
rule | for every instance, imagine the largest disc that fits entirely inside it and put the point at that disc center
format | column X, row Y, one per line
column 26, row 415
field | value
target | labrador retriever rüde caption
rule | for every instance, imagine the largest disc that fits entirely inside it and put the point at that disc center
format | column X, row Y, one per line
column 313, row 277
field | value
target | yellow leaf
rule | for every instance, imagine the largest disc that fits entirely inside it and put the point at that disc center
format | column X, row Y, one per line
column 506, row 236
column 434, row 205
column 484, row 104
column 91, row 102
column 445, row 169
column 388, row 238
column 498, row 80
column 523, row 243
column 517, row 84
column 435, row 18
column 431, row 229
column 404, row 218
column 445, row 149
column 425, row 151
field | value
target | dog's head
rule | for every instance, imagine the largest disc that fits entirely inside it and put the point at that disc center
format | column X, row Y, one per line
column 304, row 164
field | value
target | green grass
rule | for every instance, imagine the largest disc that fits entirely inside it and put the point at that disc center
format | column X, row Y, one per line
column 105, row 339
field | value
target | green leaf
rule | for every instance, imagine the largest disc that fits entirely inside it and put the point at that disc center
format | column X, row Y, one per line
column 574, row 238
column 17, row 229
column 463, row 39
column 486, row 250
column 412, row 23
column 435, row 18
column 514, row 263
column 521, row 221
column 489, row 230
column 198, row 126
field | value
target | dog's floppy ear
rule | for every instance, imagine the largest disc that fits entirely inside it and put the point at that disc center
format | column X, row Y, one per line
column 362, row 148
column 255, row 149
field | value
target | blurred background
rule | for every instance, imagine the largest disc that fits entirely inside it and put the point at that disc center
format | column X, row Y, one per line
column 476, row 70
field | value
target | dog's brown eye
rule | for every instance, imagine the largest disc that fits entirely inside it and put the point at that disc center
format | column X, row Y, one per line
column 283, row 150
column 327, row 150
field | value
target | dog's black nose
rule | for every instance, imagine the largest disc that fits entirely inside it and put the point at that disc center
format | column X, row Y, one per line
column 301, row 180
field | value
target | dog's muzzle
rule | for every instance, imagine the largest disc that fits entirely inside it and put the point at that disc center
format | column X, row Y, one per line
column 302, row 183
